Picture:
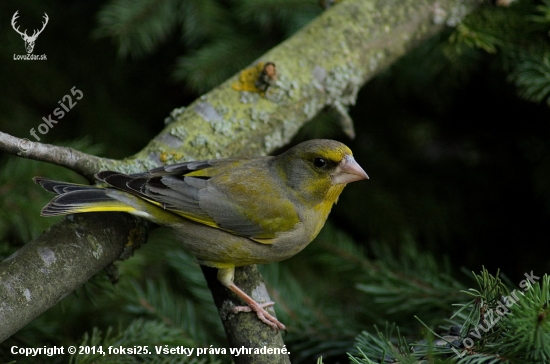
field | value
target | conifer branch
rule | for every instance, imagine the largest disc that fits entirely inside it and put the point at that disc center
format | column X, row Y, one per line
column 322, row 65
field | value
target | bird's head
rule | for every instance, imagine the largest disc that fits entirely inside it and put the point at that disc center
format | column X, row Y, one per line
column 320, row 169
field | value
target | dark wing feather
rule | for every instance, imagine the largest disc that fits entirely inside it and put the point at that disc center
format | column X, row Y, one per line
column 180, row 168
column 193, row 197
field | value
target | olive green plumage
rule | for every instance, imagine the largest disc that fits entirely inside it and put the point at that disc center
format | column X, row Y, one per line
column 227, row 212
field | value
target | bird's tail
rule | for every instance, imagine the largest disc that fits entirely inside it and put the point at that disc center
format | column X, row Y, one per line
column 74, row 198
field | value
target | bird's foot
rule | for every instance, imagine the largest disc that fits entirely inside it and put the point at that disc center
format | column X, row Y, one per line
column 262, row 314
column 238, row 309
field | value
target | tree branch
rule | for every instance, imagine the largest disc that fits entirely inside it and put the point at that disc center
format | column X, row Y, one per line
column 60, row 260
column 324, row 64
column 82, row 163
column 244, row 329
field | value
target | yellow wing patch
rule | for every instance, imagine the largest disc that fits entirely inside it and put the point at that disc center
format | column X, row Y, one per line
column 105, row 208
column 208, row 222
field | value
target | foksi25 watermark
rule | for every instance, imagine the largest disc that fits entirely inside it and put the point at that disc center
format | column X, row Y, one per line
column 49, row 123
column 29, row 40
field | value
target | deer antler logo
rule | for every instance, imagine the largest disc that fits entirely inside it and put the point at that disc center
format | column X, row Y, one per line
column 29, row 41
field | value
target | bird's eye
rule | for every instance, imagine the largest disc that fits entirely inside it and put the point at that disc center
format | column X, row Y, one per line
column 319, row 162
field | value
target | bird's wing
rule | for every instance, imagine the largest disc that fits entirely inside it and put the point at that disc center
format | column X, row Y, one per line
column 205, row 193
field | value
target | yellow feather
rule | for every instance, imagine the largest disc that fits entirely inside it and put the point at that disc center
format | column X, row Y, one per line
column 104, row 208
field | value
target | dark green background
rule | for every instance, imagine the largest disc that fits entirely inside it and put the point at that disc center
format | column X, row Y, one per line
column 458, row 162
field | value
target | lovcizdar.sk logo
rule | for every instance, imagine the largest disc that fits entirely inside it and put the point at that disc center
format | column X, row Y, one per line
column 28, row 39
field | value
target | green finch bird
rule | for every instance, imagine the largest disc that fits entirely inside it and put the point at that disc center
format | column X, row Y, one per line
column 227, row 212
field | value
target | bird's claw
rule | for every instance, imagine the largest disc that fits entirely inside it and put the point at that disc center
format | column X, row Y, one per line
column 262, row 314
column 238, row 309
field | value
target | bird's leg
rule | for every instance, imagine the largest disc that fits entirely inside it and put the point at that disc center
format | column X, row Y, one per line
column 225, row 276
column 248, row 309
column 262, row 314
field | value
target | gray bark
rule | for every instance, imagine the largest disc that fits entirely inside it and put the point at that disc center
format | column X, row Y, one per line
column 322, row 65
column 60, row 260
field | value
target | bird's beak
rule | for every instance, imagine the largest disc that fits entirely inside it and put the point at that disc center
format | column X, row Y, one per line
column 348, row 171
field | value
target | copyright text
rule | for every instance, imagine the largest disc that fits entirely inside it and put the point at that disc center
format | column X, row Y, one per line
column 145, row 350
